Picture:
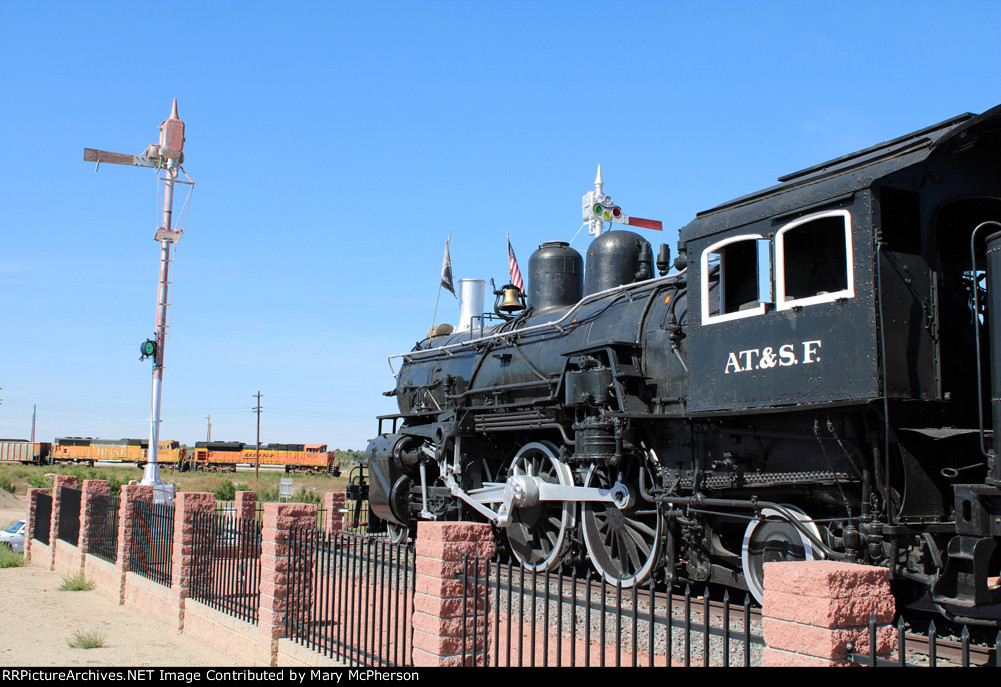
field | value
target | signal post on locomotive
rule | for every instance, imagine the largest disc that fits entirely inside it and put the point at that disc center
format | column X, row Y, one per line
column 814, row 381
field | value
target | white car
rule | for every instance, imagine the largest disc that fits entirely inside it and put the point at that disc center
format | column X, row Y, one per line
column 13, row 536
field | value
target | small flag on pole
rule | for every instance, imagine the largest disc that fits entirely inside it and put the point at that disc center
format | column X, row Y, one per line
column 513, row 267
column 446, row 269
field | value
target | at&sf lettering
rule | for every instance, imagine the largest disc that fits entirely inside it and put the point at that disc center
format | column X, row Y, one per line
column 770, row 357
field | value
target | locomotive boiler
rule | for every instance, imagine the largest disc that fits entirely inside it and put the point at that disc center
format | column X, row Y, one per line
column 817, row 378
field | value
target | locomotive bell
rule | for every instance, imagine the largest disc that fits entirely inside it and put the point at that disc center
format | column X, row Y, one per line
column 512, row 300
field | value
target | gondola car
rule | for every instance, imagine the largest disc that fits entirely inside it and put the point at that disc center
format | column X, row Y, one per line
column 25, row 452
column 818, row 379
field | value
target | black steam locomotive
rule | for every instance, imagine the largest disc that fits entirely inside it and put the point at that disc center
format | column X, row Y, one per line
column 814, row 381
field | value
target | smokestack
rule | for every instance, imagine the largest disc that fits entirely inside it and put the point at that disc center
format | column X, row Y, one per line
column 470, row 302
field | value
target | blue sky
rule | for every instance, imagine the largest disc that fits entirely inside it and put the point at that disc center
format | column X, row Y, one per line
column 336, row 145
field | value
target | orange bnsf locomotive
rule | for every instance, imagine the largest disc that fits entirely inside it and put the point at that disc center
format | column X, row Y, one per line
column 87, row 450
column 224, row 456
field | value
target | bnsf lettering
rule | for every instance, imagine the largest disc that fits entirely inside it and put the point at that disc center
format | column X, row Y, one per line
column 766, row 358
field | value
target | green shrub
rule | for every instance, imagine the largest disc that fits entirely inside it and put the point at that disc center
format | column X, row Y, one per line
column 115, row 483
column 87, row 640
column 6, row 485
column 303, row 496
column 10, row 558
column 77, row 583
column 39, row 481
column 225, row 492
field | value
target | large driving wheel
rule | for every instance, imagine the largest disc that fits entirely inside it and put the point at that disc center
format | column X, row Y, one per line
column 624, row 543
column 771, row 539
column 538, row 534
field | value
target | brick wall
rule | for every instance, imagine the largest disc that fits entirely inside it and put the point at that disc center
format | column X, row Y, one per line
column 813, row 610
column 441, row 638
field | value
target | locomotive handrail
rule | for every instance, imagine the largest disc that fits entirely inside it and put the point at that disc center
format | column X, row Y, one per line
column 976, row 331
column 623, row 289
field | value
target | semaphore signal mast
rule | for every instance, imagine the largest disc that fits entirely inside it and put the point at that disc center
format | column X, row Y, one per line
column 165, row 157
column 599, row 208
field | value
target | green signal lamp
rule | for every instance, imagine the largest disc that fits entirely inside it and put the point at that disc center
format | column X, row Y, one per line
column 606, row 213
column 147, row 349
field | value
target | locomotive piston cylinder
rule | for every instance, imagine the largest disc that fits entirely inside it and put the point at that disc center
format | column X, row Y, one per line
column 596, row 441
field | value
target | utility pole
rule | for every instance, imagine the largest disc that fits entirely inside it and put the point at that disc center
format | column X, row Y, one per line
column 166, row 158
column 257, row 462
column 208, row 434
column 34, row 410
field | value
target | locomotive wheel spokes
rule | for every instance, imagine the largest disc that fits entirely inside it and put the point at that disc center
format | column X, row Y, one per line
column 773, row 539
column 624, row 544
column 538, row 534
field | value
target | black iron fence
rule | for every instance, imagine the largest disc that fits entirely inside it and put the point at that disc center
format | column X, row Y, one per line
column 43, row 517
column 350, row 596
column 519, row 618
column 226, row 572
column 103, row 537
column 69, row 515
column 230, row 507
column 152, row 540
column 928, row 649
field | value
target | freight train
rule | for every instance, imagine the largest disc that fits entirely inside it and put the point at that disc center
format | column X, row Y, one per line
column 87, row 451
column 818, row 377
column 208, row 456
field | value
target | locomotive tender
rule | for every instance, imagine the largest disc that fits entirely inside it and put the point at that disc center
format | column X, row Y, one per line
column 819, row 379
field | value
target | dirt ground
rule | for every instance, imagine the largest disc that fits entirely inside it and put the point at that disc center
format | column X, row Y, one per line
column 37, row 620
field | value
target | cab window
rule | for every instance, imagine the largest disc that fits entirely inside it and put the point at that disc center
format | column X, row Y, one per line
column 814, row 260
column 730, row 279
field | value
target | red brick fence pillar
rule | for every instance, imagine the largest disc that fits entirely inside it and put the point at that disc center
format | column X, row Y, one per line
column 279, row 518
column 29, row 530
column 182, row 564
column 442, row 549
column 812, row 610
column 127, row 528
column 59, row 482
column 245, row 505
column 91, row 487
column 333, row 518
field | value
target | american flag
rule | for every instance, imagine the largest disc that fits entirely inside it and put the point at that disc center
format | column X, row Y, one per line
column 513, row 267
